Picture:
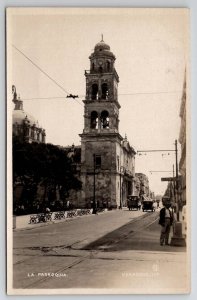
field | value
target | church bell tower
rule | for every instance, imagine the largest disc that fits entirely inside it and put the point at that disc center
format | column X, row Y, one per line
column 100, row 140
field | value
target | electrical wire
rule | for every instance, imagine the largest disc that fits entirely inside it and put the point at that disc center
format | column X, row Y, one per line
column 149, row 93
column 63, row 89
column 41, row 70
column 83, row 96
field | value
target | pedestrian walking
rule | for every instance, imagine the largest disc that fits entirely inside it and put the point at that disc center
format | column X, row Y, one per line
column 67, row 205
column 139, row 204
column 154, row 205
column 165, row 220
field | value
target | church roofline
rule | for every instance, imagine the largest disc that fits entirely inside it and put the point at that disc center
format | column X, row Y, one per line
column 129, row 148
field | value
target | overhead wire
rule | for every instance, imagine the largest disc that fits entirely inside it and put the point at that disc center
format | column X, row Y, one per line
column 63, row 89
column 45, row 73
column 83, row 96
column 150, row 93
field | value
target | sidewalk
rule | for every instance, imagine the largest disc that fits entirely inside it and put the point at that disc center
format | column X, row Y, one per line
column 22, row 222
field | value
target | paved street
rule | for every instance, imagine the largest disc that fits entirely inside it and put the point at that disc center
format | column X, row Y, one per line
column 112, row 250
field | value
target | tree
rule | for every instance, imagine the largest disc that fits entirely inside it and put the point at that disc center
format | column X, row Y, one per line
column 45, row 165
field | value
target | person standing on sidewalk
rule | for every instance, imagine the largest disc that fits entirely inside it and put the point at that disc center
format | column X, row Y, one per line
column 48, row 210
column 165, row 220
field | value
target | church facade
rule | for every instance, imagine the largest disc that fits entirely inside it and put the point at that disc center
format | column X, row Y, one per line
column 24, row 126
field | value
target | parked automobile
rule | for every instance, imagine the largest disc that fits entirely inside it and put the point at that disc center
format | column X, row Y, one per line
column 133, row 203
column 148, row 205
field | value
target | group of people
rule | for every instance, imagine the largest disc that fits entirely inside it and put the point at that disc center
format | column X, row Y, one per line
column 68, row 206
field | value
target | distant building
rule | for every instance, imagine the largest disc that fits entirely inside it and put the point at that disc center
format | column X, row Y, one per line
column 152, row 195
column 25, row 127
column 169, row 190
column 144, row 184
column 158, row 198
column 137, row 185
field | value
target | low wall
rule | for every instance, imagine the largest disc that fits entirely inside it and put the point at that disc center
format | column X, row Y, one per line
column 20, row 222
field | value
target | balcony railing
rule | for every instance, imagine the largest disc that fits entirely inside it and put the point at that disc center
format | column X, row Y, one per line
column 87, row 72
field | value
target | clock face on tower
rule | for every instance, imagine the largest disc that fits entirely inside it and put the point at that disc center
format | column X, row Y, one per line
column 100, row 62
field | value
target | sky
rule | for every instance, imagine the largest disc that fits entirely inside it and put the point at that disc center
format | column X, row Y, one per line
column 151, row 49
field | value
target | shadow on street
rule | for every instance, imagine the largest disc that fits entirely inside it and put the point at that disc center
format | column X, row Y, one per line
column 142, row 235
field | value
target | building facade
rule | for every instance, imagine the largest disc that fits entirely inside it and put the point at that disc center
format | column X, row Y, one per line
column 182, row 141
column 107, row 159
column 152, row 195
column 137, row 185
column 24, row 126
column 143, row 187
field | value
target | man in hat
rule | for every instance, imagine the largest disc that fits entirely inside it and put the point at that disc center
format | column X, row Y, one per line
column 165, row 220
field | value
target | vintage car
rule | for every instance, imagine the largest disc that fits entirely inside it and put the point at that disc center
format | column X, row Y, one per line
column 133, row 202
column 148, row 205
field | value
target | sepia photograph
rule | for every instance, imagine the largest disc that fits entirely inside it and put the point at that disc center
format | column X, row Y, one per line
column 98, row 150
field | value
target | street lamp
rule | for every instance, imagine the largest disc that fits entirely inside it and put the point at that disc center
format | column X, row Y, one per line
column 177, row 179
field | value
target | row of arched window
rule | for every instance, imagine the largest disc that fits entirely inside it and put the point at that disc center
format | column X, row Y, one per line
column 104, row 91
column 29, row 132
column 106, row 67
column 104, row 120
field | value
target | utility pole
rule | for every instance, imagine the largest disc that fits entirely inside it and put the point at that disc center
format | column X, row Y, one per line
column 177, row 238
column 174, row 183
column 177, row 179
column 173, row 170
column 176, row 154
column 121, row 187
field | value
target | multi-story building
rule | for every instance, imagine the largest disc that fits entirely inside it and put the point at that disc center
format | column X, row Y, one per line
column 137, row 185
column 152, row 195
column 144, row 184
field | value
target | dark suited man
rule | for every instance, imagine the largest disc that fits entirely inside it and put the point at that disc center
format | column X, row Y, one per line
column 165, row 220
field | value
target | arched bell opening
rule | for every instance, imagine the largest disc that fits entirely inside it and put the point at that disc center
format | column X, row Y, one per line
column 94, row 91
column 105, row 91
column 108, row 66
column 104, row 119
column 94, row 120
